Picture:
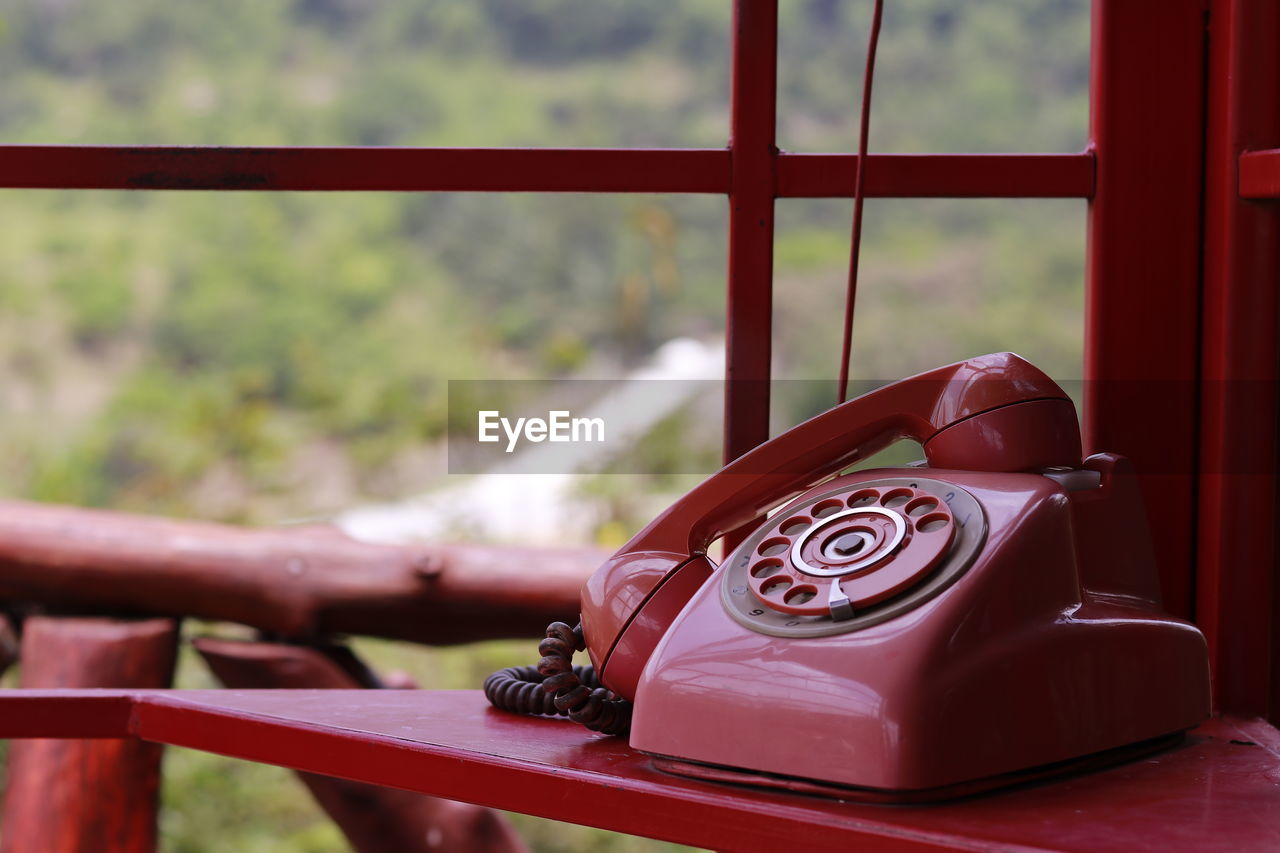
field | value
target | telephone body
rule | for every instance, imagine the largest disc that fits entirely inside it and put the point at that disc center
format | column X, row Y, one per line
column 901, row 629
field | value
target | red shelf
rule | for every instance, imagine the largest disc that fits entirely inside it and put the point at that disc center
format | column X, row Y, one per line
column 1219, row 790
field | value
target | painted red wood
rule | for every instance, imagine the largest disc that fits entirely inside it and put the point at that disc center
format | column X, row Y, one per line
column 1143, row 268
column 374, row 819
column 1236, row 586
column 76, row 796
column 1216, row 791
column 8, row 643
column 299, row 581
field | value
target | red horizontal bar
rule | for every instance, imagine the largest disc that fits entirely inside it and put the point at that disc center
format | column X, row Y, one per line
column 67, row 714
column 939, row 175
column 1214, row 791
column 354, row 169
column 1260, row 174
column 533, row 170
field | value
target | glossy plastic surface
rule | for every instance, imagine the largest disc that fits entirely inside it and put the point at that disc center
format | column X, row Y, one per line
column 650, row 621
column 1027, row 423
column 1017, row 664
column 616, row 591
column 918, row 408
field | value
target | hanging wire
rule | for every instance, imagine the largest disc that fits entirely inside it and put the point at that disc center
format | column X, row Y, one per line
column 860, row 169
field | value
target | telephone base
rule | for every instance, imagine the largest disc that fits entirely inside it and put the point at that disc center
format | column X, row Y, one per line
column 881, row 796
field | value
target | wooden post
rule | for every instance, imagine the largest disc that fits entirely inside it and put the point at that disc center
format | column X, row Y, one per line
column 374, row 819
column 77, row 796
column 8, row 644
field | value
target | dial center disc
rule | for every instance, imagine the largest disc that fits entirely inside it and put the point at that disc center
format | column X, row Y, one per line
column 850, row 544
column 879, row 531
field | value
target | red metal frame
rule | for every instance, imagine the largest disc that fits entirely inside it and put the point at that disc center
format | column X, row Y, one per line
column 1147, row 87
column 358, row 169
column 1260, row 174
column 1182, row 173
column 625, row 170
column 938, row 175
column 749, row 322
column 1239, row 407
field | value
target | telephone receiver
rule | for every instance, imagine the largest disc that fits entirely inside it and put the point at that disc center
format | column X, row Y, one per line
column 898, row 633
column 993, row 413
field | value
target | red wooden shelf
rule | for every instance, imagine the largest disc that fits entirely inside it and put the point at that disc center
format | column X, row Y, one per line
column 1218, row 790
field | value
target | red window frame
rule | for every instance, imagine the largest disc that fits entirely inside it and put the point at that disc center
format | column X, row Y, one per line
column 1181, row 271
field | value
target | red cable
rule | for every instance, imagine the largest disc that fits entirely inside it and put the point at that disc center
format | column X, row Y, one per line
column 852, row 291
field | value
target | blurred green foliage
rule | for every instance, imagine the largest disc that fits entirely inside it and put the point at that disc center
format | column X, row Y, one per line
column 255, row 357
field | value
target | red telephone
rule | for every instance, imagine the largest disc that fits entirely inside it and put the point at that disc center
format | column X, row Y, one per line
column 901, row 631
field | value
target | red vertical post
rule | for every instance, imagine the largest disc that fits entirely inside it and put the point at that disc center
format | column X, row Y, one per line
column 749, row 320
column 74, row 796
column 1239, row 405
column 8, row 644
column 1143, row 279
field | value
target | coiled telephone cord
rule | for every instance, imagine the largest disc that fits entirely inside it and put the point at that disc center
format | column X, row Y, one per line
column 556, row 687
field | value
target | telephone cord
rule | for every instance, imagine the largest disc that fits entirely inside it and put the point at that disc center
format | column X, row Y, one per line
column 864, row 127
column 554, row 686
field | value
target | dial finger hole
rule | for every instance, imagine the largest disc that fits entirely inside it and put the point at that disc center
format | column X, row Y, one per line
column 920, row 506
column 766, row 568
column 795, row 526
column 866, row 497
column 772, row 547
column 897, row 497
column 800, row 594
column 933, row 522
column 775, row 586
column 826, row 508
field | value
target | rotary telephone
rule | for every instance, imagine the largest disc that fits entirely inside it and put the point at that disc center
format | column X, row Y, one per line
column 895, row 633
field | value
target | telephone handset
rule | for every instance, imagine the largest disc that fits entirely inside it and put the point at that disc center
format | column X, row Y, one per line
column 994, row 413
column 902, row 629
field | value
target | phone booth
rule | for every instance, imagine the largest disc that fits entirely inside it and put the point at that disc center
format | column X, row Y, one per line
column 1182, row 179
